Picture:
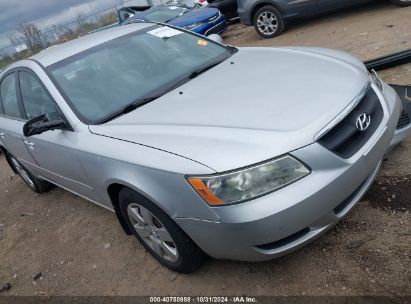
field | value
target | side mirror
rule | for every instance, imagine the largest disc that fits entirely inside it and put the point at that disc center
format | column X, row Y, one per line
column 42, row 124
column 126, row 16
column 124, row 13
column 216, row 38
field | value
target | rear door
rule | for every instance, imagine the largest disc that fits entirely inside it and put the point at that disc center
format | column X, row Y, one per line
column 12, row 119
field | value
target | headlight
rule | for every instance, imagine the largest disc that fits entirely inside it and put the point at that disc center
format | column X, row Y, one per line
column 249, row 183
column 191, row 26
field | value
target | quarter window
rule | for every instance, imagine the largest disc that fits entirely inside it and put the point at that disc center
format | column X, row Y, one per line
column 36, row 99
column 8, row 96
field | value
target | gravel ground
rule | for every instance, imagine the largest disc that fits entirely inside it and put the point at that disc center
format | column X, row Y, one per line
column 60, row 244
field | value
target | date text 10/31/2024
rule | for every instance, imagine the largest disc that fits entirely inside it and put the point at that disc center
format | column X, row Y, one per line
column 204, row 299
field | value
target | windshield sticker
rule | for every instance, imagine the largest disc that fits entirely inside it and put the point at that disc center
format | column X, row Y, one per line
column 202, row 42
column 165, row 32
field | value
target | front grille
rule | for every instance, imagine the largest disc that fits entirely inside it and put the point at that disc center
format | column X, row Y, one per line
column 345, row 139
column 403, row 121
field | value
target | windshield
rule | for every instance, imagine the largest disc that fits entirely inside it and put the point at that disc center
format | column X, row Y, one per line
column 164, row 14
column 104, row 79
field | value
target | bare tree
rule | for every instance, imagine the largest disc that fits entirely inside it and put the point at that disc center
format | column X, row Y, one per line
column 81, row 21
column 108, row 18
column 34, row 39
column 63, row 33
column 15, row 41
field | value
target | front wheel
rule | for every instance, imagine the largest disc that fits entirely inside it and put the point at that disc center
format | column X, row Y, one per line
column 269, row 22
column 35, row 184
column 159, row 234
column 401, row 2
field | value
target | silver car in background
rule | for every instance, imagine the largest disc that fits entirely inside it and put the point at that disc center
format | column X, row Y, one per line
column 200, row 148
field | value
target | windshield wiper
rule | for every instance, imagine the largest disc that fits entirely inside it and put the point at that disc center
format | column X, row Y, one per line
column 128, row 108
column 191, row 75
column 138, row 103
column 195, row 73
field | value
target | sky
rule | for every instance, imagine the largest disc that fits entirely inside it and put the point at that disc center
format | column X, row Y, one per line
column 44, row 13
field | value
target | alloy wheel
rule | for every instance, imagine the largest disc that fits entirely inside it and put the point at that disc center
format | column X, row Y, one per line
column 267, row 23
column 152, row 232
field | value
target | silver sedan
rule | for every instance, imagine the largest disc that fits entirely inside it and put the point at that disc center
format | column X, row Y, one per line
column 200, row 148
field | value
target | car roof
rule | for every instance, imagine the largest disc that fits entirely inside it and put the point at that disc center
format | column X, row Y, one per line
column 59, row 52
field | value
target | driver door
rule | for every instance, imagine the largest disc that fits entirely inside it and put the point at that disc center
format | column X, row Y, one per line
column 52, row 149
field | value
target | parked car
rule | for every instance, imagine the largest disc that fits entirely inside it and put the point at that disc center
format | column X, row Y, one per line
column 134, row 6
column 228, row 8
column 202, row 2
column 205, row 21
column 270, row 17
column 126, row 12
column 200, row 148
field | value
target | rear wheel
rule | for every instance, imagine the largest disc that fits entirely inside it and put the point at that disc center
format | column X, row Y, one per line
column 35, row 184
column 269, row 22
column 401, row 2
column 159, row 234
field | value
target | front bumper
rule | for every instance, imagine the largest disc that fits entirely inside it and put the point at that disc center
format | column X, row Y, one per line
column 403, row 129
column 217, row 26
column 285, row 220
column 400, row 135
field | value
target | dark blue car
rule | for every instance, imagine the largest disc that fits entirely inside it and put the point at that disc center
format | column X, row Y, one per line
column 204, row 21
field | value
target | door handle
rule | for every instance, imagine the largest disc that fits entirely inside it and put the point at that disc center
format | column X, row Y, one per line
column 29, row 143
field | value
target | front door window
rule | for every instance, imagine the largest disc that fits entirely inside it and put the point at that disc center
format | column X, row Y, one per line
column 36, row 99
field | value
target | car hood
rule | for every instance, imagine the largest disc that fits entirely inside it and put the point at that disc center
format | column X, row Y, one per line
column 194, row 16
column 258, row 104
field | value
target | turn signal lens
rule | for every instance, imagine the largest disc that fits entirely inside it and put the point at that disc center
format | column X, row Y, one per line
column 205, row 193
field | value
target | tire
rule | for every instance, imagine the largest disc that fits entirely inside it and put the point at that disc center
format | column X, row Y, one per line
column 35, row 184
column 268, row 22
column 402, row 3
column 159, row 234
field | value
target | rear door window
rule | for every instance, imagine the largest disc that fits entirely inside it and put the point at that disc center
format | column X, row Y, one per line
column 8, row 95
